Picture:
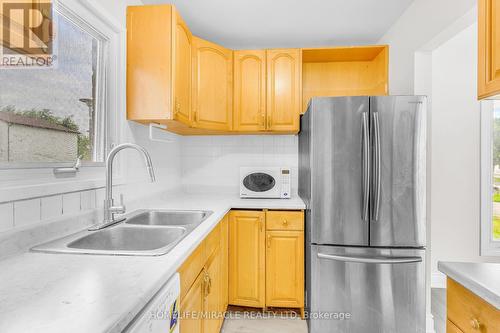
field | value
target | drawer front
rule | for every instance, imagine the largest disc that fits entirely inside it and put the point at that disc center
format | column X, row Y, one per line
column 284, row 220
column 191, row 268
column 451, row 328
column 212, row 242
column 469, row 312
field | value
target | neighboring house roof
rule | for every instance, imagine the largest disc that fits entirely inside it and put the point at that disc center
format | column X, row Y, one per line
column 14, row 118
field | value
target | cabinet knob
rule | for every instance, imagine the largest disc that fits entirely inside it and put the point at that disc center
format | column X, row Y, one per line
column 475, row 324
column 285, row 222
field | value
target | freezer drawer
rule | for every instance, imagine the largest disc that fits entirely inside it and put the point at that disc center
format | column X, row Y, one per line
column 373, row 290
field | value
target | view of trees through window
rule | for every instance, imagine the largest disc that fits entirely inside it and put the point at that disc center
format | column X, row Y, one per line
column 49, row 114
column 496, row 171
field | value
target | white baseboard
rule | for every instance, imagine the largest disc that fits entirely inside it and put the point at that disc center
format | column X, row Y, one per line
column 438, row 280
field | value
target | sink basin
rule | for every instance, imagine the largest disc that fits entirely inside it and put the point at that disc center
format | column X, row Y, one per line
column 169, row 217
column 129, row 239
column 143, row 233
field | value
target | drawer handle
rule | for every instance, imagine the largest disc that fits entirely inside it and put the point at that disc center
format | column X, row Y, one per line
column 285, row 222
column 475, row 324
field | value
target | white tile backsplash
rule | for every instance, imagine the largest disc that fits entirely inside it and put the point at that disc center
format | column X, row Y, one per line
column 215, row 161
column 6, row 216
column 51, row 207
column 88, row 200
column 71, row 203
column 26, row 212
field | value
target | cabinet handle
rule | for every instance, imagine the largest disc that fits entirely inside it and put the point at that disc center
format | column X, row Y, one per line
column 285, row 222
column 269, row 241
column 475, row 324
column 206, row 284
column 263, row 119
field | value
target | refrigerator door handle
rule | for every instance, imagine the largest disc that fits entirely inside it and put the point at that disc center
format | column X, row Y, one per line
column 377, row 172
column 366, row 166
column 370, row 260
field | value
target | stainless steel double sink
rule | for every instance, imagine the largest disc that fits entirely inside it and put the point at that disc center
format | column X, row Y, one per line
column 143, row 233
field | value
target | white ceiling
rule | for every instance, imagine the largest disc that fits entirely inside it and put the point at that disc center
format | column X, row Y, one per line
column 246, row 24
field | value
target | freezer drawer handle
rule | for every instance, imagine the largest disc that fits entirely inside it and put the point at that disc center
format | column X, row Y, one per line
column 371, row 260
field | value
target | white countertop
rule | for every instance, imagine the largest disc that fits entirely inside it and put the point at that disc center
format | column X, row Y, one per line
column 42, row 292
column 480, row 278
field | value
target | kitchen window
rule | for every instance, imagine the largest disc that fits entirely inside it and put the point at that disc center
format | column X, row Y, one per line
column 55, row 115
column 490, row 178
column 49, row 116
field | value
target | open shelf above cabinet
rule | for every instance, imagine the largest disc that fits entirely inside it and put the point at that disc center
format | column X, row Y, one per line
column 344, row 71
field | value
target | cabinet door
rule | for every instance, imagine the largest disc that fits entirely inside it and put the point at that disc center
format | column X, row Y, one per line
column 283, row 90
column 182, row 68
column 247, row 258
column 213, row 318
column 285, row 269
column 489, row 48
column 149, row 63
column 192, row 307
column 249, row 90
column 212, row 86
column 224, row 231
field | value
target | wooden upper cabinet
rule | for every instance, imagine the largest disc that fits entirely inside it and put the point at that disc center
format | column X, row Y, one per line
column 283, row 89
column 212, row 86
column 489, row 48
column 149, row 63
column 249, row 90
column 182, row 69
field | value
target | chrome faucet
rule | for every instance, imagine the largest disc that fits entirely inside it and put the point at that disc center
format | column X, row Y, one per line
column 109, row 207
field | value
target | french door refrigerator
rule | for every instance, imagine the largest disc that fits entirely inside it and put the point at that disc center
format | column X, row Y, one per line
column 362, row 176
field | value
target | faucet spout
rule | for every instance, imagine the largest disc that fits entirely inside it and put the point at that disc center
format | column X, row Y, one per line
column 110, row 209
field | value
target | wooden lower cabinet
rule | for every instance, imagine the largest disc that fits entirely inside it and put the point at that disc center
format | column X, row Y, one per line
column 192, row 306
column 266, row 266
column 451, row 328
column 285, row 269
column 203, row 301
column 247, row 258
column 213, row 301
column 468, row 313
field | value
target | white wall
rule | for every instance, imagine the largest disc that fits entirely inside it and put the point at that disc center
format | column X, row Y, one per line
column 455, row 183
column 419, row 24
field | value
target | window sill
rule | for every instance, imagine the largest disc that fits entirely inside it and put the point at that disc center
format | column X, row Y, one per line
column 490, row 251
column 47, row 188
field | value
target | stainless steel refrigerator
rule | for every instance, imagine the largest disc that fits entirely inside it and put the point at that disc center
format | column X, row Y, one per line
column 362, row 175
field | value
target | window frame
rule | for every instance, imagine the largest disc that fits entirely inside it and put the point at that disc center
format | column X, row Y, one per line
column 31, row 180
column 489, row 247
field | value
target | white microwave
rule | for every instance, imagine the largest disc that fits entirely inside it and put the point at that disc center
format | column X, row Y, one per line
column 266, row 182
